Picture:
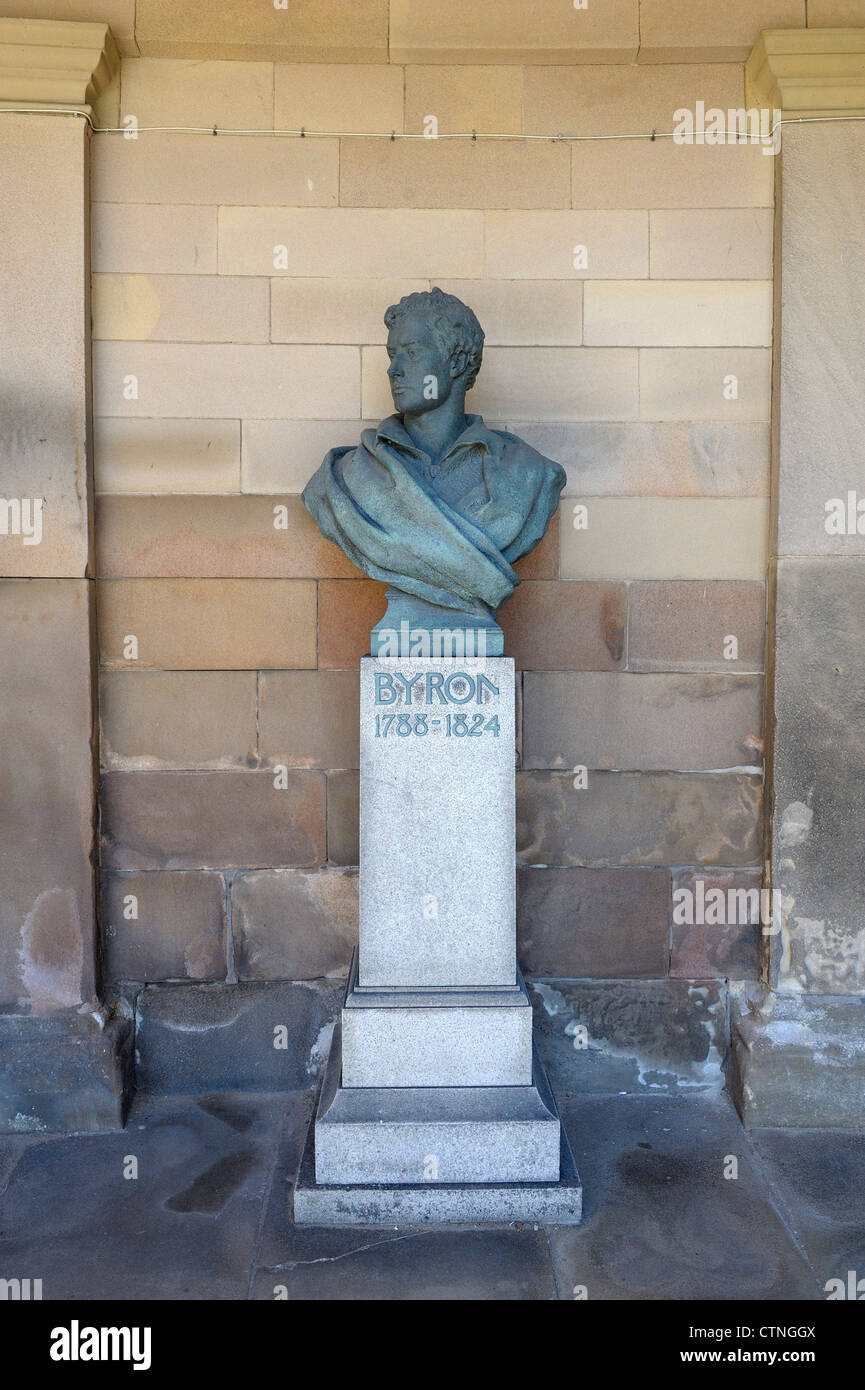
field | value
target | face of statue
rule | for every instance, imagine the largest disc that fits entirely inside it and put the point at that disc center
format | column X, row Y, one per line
column 421, row 378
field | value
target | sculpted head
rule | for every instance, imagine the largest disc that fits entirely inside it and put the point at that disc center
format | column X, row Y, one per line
column 435, row 345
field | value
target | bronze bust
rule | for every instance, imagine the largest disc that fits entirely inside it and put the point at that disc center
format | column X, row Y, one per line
column 433, row 502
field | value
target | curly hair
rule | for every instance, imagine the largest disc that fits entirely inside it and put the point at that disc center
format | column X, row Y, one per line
column 453, row 324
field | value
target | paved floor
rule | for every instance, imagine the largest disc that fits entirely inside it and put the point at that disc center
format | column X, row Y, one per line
column 207, row 1216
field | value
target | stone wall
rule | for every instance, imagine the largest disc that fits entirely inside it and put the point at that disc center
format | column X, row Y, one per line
column 223, row 370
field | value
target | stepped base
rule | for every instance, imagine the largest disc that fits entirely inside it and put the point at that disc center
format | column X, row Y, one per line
column 457, row 1154
column 435, row 1037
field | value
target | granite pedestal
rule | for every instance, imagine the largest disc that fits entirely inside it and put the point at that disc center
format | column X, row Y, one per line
column 434, row 1107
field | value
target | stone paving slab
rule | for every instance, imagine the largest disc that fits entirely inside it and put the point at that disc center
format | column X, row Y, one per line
column 661, row 1220
column 185, row 1228
column 209, row 1215
column 820, row 1174
column 461, row 1263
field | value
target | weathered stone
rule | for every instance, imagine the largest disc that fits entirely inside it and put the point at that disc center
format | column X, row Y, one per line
column 167, row 167
column 655, row 723
column 191, row 1217
column 728, row 943
column 292, row 925
column 343, row 799
column 154, row 239
column 206, row 624
column 226, row 380
column 819, row 1172
column 193, row 820
column 347, row 610
column 505, row 31
column 693, row 383
column 338, row 96
column 337, row 1262
column 464, row 98
column 623, row 1035
column 376, row 242
column 709, row 243
column 159, row 926
column 664, row 538
column 68, row 1071
column 593, row 923
column 309, row 718
column 47, row 816
column 702, row 458
column 561, row 625
column 638, row 818
column 601, row 100
column 244, row 1037
column 665, row 1224
column 821, row 315
column 663, row 174
column 226, row 537
column 438, row 174
column 181, row 308
column 177, row 719
column 797, row 1059
column 670, row 313
column 819, row 777
column 230, row 29
column 166, row 455
column 687, row 626
column 164, row 91
column 43, row 299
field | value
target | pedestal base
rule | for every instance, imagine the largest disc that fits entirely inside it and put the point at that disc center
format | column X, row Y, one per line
column 446, row 1154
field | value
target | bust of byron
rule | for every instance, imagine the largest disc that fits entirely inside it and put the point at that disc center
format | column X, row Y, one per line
column 433, row 502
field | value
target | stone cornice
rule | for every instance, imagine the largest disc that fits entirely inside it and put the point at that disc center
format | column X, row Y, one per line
column 56, row 63
column 808, row 72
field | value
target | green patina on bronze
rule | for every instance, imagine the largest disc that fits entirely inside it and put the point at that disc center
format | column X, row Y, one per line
column 433, row 502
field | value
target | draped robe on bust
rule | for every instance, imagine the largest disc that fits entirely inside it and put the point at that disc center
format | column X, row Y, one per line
column 447, row 532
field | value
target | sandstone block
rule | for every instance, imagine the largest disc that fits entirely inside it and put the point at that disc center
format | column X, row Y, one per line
column 290, row 924
column 687, row 626
column 177, row 719
column 593, row 923
column 153, row 239
column 632, row 818
column 665, row 538
column 177, row 931
column 309, row 718
column 207, row 624
column 560, row 626
column 199, row 820
column 166, row 455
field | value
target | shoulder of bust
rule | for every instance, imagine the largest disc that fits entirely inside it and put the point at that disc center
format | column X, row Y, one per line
column 517, row 452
